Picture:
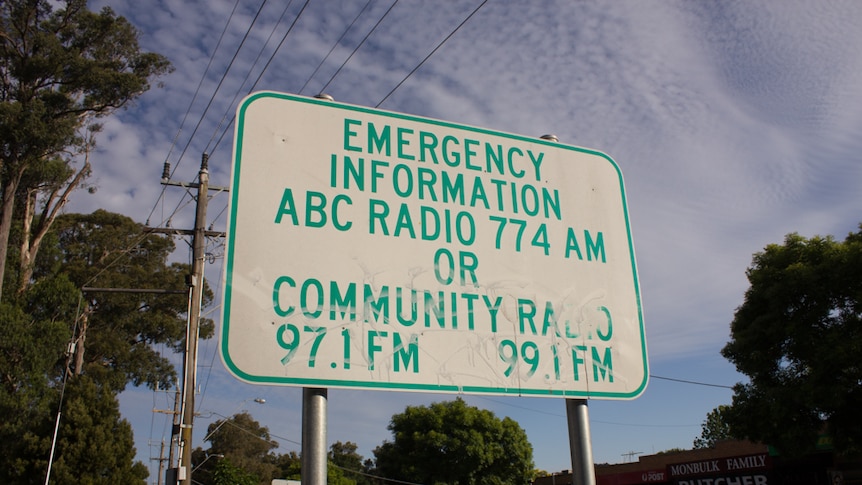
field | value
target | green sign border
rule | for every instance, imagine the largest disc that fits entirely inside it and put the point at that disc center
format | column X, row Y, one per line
column 294, row 381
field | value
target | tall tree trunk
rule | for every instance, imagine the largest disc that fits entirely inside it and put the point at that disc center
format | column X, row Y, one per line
column 34, row 231
column 10, row 187
column 80, row 341
column 25, row 261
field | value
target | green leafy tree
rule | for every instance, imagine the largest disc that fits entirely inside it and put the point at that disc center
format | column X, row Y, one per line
column 95, row 445
column 288, row 466
column 345, row 460
column 33, row 338
column 111, row 337
column 345, row 455
column 29, row 351
column 714, row 429
column 116, row 331
column 226, row 473
column 798, row 337
column 61, row 68
column 243, row 442
column 453, row 443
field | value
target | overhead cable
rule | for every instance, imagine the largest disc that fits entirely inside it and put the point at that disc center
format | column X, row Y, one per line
column 191, row 103
column 323, row 89
column 690, row 382
column 431, row 53
column 283, row 39
column 223, row 77
column 334, row 46
column 212, row 98
column 240, row 90
column 560, row 415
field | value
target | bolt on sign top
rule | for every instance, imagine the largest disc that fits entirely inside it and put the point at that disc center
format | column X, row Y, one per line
column 378, row 250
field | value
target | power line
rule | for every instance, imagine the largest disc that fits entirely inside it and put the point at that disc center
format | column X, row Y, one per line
column 223, row 77
column 644, row 425
column 278, row 47
column 283, row 39
column 563, row 416
column 334, row 46
column 323, row 89
column 201, row 82
column 168, row 174
column 226, row 129
column 431, row 53
column 239, row 91
column 683, row 381
column 191, row 103
column 376, row 477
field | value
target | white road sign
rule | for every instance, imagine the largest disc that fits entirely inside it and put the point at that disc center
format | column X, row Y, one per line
column 379, row 250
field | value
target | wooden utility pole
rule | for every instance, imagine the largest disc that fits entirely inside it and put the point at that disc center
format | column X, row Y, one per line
column 183, row 472
column 172, row 446
column 161, row 462
column 196, row 281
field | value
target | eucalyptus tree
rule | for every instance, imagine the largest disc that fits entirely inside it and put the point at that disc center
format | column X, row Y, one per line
column 62, row 68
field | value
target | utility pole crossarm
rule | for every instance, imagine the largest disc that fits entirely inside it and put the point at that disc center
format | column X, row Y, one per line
column 181, row 232
column 88, row 289
column 194, row 185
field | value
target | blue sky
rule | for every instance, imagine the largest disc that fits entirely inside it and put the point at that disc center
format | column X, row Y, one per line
column 734, row 123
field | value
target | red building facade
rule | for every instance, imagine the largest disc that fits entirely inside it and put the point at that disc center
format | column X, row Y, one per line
column 728, row 463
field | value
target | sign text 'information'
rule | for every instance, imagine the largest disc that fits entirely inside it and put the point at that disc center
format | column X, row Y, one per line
column 377, row 250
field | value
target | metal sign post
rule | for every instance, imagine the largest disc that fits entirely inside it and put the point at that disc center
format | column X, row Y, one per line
column 314, row 458
column 580, row 444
